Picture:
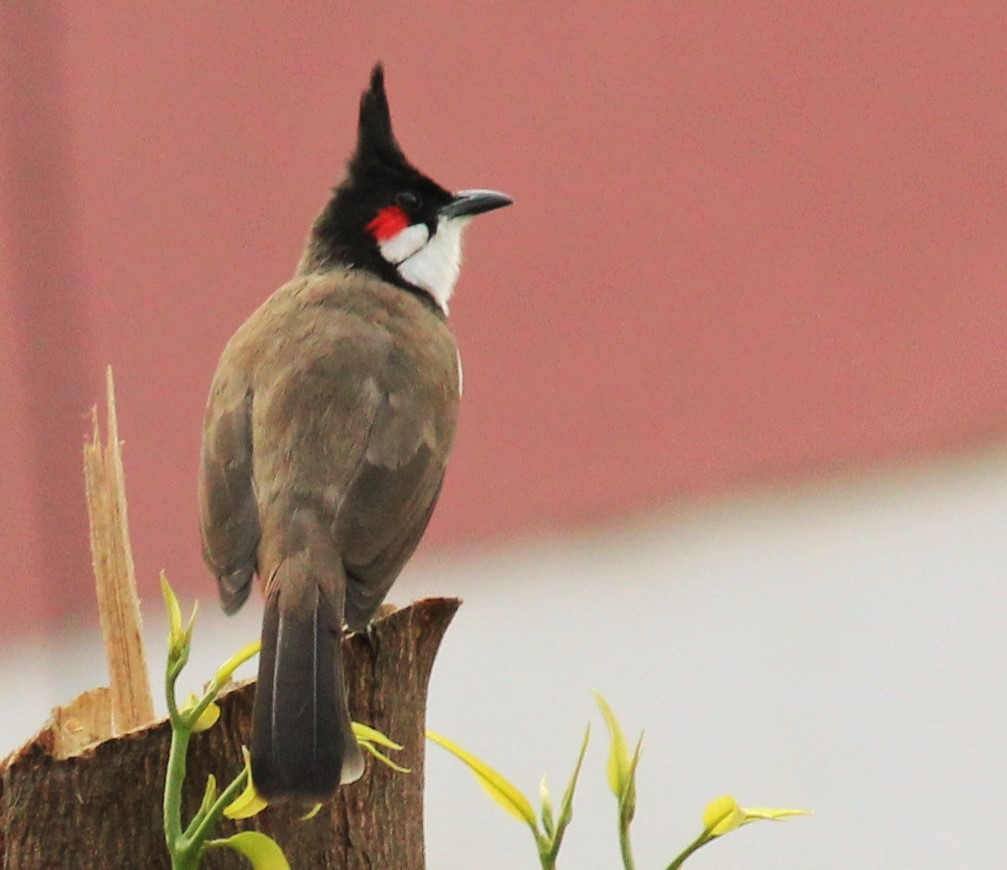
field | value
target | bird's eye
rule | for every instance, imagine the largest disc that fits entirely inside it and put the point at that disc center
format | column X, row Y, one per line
column 407, row 200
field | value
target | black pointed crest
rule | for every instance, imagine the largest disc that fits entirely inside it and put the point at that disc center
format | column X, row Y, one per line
column 376, row 142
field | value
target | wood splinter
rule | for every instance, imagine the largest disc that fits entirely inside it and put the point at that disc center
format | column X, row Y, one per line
column 115, row 577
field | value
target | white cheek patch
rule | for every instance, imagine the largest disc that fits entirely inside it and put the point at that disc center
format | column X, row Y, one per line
column 435, row 266
column 404, row 244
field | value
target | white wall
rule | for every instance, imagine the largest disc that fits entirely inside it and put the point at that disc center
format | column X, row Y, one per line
column 838, row 647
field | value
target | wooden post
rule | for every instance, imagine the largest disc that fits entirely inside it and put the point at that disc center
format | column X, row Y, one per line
column 102, row 807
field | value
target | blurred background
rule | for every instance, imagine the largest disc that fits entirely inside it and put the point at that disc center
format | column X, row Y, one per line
column 733, row 447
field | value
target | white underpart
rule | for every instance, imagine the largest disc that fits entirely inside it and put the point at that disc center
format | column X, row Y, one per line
column 430, row 262
column 404, row 244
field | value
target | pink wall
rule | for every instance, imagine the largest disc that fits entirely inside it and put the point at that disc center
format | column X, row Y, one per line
column 750, row 241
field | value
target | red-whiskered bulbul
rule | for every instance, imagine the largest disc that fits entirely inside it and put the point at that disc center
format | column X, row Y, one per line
column 325, row 440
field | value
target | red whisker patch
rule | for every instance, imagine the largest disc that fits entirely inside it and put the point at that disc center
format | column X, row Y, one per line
column 389, row 222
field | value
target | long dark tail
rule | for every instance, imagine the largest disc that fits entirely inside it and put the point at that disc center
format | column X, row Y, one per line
column 302, row 743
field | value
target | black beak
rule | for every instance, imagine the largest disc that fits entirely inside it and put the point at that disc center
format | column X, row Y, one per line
column 473, row 202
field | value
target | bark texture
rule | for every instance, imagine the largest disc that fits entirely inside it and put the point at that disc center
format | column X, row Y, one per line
column 102, row 808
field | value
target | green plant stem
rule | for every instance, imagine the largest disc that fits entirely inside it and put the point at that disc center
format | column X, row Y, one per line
column 178, row 844
column 174, row 668
column 625, row 847
column 181, row 859
column 185, row 847
column 547, row 855
column 546, row 852
column 700, row 841
column 199, row 828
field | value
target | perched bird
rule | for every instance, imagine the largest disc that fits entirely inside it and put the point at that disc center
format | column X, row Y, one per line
column 327, row 431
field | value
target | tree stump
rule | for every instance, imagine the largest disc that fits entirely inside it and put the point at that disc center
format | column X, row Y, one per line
column 102, row 807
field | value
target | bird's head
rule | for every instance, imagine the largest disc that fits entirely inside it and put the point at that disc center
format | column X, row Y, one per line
column 391, row 219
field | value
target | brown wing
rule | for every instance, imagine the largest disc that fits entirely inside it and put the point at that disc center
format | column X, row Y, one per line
column 228, row 515
column 367, row 462
column 393, row 496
